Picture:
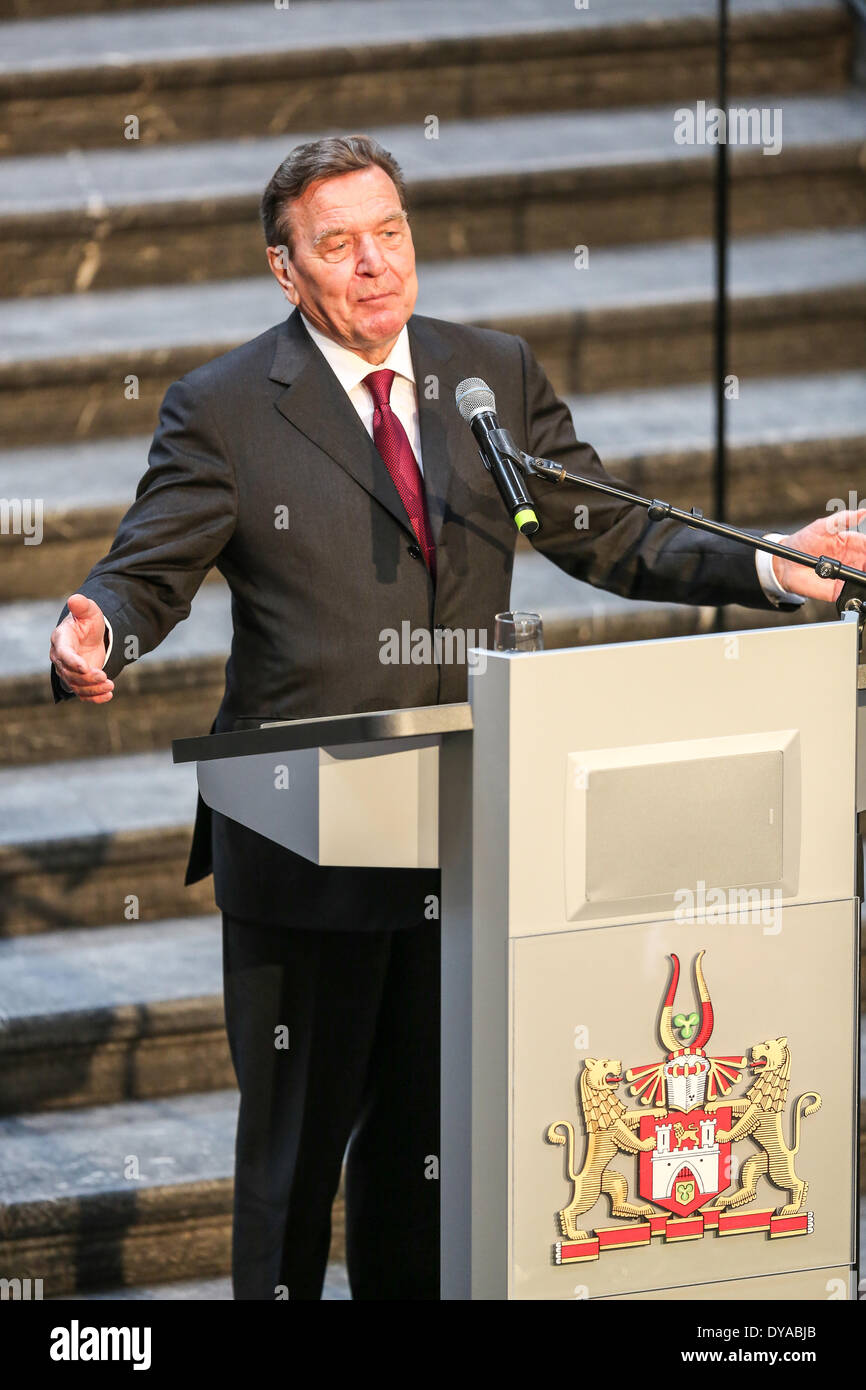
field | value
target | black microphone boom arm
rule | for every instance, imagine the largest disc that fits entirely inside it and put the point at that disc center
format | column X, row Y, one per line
column 852, row 597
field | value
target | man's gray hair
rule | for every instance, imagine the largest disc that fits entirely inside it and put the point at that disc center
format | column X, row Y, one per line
column 320, row 159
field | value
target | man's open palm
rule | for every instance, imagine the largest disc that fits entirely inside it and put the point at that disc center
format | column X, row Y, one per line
column 840, row 536
column 78, row 651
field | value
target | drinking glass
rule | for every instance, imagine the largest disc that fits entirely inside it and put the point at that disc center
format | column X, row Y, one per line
column 518, row 632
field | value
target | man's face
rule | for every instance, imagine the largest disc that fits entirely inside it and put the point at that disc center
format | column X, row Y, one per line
column 352, row 265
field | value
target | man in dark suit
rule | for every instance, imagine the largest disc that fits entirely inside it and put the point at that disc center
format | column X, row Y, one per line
column 325, row 471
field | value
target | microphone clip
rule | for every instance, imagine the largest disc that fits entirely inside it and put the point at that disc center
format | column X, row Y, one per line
column 505, row 443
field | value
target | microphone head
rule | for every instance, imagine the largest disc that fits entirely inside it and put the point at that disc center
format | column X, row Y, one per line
column 472, row 396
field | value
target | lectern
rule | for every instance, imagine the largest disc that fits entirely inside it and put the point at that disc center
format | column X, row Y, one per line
column 650, row 926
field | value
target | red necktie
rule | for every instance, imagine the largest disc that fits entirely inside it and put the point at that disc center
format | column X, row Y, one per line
column 393, row 444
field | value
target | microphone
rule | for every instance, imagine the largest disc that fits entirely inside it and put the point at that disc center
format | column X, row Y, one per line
column 477, row 404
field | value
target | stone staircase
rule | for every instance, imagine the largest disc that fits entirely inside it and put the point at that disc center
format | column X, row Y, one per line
column 126, row 259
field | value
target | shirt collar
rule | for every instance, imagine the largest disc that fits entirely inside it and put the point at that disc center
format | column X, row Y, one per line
column 350, row 369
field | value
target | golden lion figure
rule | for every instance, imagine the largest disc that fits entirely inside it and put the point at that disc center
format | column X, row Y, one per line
column 609, row 1128
column 759, row 1117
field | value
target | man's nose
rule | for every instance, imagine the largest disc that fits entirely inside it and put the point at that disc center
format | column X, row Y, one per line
column 370, row 259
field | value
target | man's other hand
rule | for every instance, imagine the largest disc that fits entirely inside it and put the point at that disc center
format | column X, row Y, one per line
column 840, row 536
column 78, row 651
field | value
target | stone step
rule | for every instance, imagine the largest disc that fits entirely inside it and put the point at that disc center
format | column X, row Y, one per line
column 83, row 488
column 506, row 186
column 79, row 490
column 173, row 692
column 336, row 1290
column 789, row 437
column 218, row 1290
column 83, row 842
column 228, row 71
column 795, row 444
column 100, row 1014
column 634, row 317
column 133, row 1194
column 40, row 9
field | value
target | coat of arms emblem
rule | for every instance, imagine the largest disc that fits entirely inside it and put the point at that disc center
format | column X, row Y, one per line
column 683, row 1135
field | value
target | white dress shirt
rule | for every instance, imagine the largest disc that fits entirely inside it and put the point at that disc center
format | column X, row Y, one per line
column 350, row 370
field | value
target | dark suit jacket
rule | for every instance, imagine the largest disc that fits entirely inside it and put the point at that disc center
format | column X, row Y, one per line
column 266, row 427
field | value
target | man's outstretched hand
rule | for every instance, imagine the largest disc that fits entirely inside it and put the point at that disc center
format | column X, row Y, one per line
column 78, row 651
column 840, row 536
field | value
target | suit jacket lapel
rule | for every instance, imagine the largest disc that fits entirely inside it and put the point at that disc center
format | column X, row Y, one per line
column 442, row 430
column 316, row 404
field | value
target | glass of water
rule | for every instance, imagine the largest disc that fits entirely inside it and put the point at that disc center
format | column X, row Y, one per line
column 518, row 632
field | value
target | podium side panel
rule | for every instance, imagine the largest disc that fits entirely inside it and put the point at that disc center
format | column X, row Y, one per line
column 861, row 748
column 455, row 1168
column 275, row 794
column 491, row 833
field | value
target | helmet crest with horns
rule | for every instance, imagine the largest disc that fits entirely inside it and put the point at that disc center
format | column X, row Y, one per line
column 687, row 1077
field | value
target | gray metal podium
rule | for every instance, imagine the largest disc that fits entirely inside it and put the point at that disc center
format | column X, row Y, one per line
column 650, row 925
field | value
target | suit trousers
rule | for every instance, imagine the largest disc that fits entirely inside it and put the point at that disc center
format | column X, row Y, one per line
column 334, row 1036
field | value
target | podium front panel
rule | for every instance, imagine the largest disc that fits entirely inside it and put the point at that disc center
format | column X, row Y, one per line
column 682, row 807
column 585, row 1010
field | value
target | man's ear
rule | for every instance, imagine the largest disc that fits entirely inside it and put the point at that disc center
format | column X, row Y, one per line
column 281, row 268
